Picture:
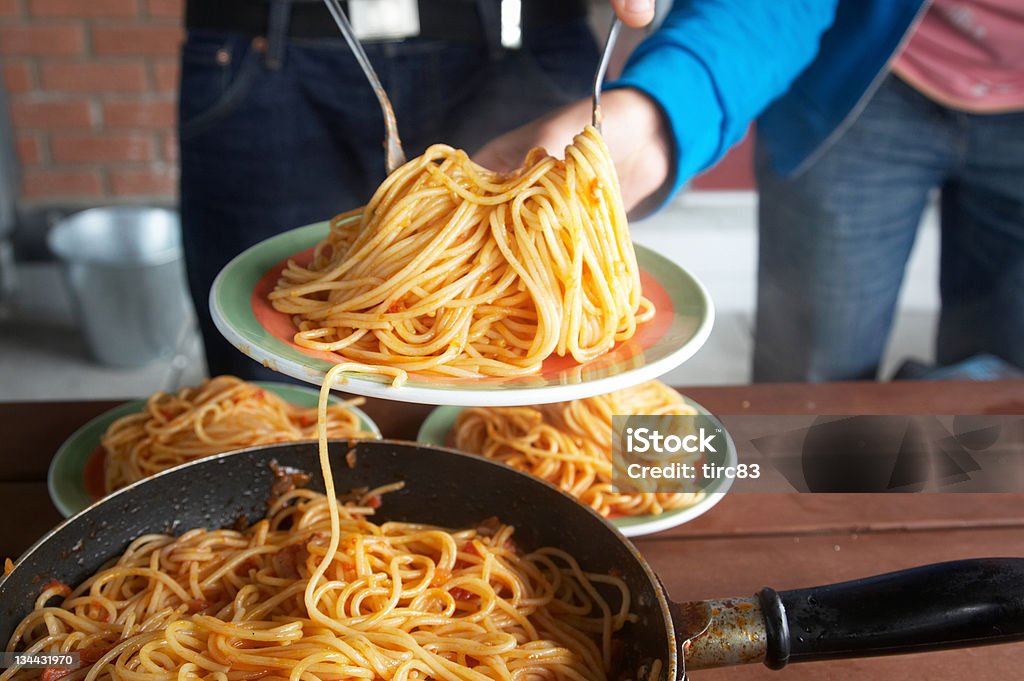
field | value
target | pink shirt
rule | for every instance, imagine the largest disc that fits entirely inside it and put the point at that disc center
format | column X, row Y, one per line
column 968, row 54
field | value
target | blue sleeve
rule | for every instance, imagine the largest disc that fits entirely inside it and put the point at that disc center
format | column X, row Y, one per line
column 714, row 65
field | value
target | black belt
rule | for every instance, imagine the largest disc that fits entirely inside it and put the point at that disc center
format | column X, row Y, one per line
column 452, row 20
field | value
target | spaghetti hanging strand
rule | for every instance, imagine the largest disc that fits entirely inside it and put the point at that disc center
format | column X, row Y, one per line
column 453, row 269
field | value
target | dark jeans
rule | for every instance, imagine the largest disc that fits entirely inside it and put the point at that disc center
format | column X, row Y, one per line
column 834, row 240
column 267, row 148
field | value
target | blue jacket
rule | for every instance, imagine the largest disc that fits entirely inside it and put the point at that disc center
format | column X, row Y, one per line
column 800, row 67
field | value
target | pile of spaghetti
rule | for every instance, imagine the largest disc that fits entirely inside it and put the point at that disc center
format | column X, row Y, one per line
column 570, row 444
column 220, row 415
column 453, row 269
column 317, row 591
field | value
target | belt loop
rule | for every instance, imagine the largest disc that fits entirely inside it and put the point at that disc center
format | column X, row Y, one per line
column 277, row 33
column 490, row 17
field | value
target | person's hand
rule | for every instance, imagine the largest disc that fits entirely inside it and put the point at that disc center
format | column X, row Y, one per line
column 634, row 13
column 633, row 128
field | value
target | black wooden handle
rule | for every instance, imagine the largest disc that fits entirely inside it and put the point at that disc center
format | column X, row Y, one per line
column 947, row 605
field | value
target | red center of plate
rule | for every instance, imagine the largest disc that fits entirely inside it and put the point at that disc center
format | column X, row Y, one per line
column 94, row 473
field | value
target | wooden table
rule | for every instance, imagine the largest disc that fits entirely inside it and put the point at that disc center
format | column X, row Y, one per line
column 746, row 542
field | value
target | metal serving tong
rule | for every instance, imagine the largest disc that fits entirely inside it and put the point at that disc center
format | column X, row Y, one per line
column 602, row 68
column 394, row 156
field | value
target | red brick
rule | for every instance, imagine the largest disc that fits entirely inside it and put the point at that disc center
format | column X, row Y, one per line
column 61, row 40
column 58, row 114
column 83, row 148
column 93, row 77
column 165, row 9
column 139, row 114
column 30, row 150
column 136, row 40
column 169, row 146
column 39, row 184
column 80, row 9
column 144, row 182
column 10, row 8
column 165, row 75
column 17, row 76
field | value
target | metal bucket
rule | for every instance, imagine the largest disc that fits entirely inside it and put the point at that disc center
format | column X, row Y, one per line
column 124, row 271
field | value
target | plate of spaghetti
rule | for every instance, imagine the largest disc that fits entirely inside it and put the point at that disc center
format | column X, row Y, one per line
column 144, row 437
column 569, row 445
column 458, row 285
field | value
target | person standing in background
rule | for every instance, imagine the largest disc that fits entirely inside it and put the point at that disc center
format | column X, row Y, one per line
column 863, row 108
column 279, row 127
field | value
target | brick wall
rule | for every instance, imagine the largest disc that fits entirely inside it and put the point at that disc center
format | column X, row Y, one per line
column 92, row 89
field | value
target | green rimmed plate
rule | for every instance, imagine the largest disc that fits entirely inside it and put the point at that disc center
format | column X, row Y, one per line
column 68, row 480
column 238, row 303
column 439, row 424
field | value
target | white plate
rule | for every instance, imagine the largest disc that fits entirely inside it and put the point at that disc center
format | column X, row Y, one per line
column 438, row 425
column 238, row 303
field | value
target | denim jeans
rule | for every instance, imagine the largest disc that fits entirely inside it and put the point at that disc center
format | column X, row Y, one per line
column 834, row 240
column 278, row 134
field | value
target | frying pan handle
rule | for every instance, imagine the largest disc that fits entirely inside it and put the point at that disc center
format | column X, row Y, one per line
column 947, row 605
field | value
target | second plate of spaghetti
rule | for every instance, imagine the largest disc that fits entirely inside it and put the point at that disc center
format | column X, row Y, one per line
column 682, row 322
column 563, row 443
column 81, row 473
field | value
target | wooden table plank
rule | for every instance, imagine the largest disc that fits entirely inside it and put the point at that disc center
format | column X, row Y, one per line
column 994, row 663
column 897, row 397
column 33, row 431
column 698, row 568
column 26, row 514
column 750, row 514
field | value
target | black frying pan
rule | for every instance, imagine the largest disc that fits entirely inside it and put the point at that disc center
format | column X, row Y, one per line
column 966, row 603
